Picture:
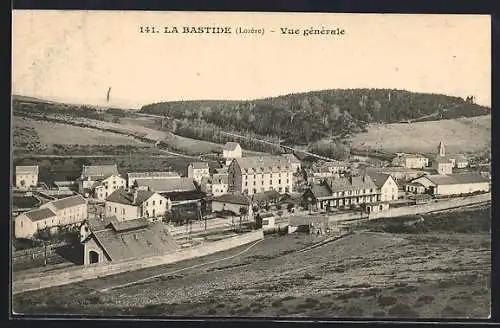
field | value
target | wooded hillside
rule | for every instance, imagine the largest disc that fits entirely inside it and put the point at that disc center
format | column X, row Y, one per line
column 307, row 117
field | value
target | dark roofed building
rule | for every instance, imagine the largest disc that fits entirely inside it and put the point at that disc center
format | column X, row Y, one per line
column 135, row 204
column 68, row 202
column 342, row 192
column 124, row 197
column 40, row 214
column 232, row 203
column 121, row 241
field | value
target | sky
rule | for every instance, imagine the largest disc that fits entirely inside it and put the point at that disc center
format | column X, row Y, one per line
column 74, row 56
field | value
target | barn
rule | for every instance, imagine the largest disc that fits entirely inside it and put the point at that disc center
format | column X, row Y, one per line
column 454, row 184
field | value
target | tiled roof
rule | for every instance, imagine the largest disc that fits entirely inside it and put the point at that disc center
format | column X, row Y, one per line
column 120, row 226
column 67, row 202
column 320, row 191
column 139, row 175
column 40, row 214
column 232, row 199
column 379, row 178
column 199, row 165
column 353, row 183
column 167, row 184
column 230, row 146
column 149, row 241
column 177, row 196
column 266, row 195
column 122, row 196
column 99, row 170
column 263, row 164
column 452, row 179
column 27, row 169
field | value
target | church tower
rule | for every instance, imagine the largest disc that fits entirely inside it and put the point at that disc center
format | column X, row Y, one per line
column 441, row 150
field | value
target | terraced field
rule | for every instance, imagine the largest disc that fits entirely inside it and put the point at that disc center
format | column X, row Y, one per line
column 368, row 274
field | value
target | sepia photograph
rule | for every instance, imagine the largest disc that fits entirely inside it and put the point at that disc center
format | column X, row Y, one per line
column 169, row 164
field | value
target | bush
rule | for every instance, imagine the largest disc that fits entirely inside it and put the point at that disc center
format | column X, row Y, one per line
column 402, row 311
column 386, row 300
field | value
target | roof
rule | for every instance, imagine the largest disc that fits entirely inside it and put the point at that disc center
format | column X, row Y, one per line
column 266, row 195
column 177, row 196
column 40, row 214
column 97, row 224
column 67, row 202
column 230, row 146
column 138, row 175
column 99, row 170
column 232, row 199
column 463, row 178
column 320, row 191
column 27, row 169
column 199, row 165
column 415, row 184
column 353, row 183
column 264, row 164
column 147, row 241
column 379, row 178
column 167, row 184
column 121, row 226
column 122, row 196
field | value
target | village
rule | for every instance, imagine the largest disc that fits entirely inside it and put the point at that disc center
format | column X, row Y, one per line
column 104, row 217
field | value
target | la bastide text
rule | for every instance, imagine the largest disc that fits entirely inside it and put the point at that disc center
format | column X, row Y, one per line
column 240, row 30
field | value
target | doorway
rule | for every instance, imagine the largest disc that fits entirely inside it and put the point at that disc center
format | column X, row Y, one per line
column 93, row 257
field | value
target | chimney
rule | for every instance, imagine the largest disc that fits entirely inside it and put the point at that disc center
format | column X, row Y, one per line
column 134, row 193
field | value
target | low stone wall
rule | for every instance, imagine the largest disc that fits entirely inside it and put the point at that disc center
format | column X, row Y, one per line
column 75, row 274
column 432, row 207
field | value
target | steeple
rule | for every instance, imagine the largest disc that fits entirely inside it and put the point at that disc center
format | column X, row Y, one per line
column 441, row 150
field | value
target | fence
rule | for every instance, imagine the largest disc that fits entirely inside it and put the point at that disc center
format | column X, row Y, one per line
column 36, row 253
column 75, row 274
column 432, row 207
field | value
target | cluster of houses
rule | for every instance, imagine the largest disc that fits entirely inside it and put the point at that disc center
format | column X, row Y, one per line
column 137, row 202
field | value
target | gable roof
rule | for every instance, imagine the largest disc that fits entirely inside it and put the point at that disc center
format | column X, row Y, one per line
column 67, row 202
column 120, row 226
column 199, row 165
column 40, row 214
column 320, row 191
column 122, row 196
column 232, row 199
column 352, row 183
column 379, row 178
column 263, row 164
column 99, row 170
column 462, row 178
column 230, row 146
column 167, row 184
column 165, row 174
column 25, row 169
column 151, row 240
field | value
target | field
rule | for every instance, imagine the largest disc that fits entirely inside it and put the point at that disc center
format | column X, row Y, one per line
column 459, row 135
column 56, row 133
column 444, row 273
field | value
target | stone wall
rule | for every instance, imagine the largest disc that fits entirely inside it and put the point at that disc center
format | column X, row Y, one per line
column 79, row 273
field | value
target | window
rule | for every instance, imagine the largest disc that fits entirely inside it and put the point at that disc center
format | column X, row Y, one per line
column 270, row 176
column 160, row 201
column 279, row 181
column 254, row 190
column 153, row 203
column 123, row 211
column 287, row 181
column 146, row 203
column 114, row 182
column 21, row 223
column 254, row 183
column 270, row 182
column 246, row 184
column 115, row 209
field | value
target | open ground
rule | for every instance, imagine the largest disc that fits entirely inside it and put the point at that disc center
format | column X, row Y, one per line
column 460, row 135
column 439, row 269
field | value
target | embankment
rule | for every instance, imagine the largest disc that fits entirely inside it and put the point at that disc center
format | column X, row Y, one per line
column 80, row 273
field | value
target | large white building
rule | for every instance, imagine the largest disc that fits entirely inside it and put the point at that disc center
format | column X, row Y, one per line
column 453, row 184
column 107, row 186
column 130, row 205
column 256, row 174
column 217, row 184
column 26, row 176
column 61, row 212
column 411, row 161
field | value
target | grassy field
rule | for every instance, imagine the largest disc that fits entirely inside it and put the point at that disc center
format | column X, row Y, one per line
column 439, row 274
column 55, row 133
column 459, row 135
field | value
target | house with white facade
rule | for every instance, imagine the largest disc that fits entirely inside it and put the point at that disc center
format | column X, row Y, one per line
column 99, row 181
column 52, row 215
column 217, row 184
column 232, row 203
column 133, row 204
column 26, row 176
column 387, row 186
column 410, row 161
column 198, row 170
